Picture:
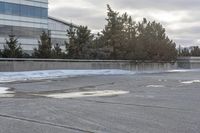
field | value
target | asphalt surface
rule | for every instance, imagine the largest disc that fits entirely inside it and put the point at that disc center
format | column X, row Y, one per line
column 156, row 103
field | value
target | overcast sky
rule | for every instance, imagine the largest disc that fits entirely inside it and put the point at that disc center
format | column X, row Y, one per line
column 181, row 18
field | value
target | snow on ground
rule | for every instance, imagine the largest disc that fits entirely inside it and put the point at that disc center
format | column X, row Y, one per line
column 85, row 94
column 50, row 74
column 191, row 82
column 183, row 70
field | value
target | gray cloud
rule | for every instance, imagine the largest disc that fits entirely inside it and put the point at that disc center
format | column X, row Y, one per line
column 159, row 4
column 181, row 18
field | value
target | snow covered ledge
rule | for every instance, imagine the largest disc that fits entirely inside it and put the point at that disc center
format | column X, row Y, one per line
column 53, row 74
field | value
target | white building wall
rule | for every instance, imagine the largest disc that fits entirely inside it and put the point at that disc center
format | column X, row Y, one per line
column 26, row 22
column 23, row 21
column 38, row 3
column 58, row 32
column 58, row 29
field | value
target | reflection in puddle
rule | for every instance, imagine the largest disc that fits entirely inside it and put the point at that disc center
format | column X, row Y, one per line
column 6, row 92
column 155, row 86
column 144, row 96
column 6, row 95
column 85, row 94
column 191, row 82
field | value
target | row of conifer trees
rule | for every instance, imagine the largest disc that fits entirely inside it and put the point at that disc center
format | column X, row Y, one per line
column 122, row 38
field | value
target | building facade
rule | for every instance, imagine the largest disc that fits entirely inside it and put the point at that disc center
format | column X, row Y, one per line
column 24, row 18
column 58, row 31
column 27, row 19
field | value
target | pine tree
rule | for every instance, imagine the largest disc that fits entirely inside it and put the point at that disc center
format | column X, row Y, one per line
column 195, row 51
column 142, row 41
column 83, row 42
column 154, row 42
column 57, row 52
column 79, row 42
column 130, row 37
column 44, row 47
column 122, row 38
column 12, row 49
column 71, row 47
column 185, row 52
column 113, row 35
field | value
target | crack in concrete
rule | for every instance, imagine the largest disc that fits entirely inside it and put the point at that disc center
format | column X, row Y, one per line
column 45, row 123
column 138, row 105
column 75, row 115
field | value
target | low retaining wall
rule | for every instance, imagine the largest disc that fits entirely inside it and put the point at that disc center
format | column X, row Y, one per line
column 10, row 65
column 188, row 62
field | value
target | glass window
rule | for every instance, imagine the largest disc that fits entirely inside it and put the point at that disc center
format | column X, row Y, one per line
column 23, row 10
column 8, row 8
column 26, row 32
column 44, row 13
column 15, row 9
column 31, row 12
column 37, row 12
column 2, row 7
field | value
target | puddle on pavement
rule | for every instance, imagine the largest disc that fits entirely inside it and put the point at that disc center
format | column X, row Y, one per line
column 191, row 82
column 145, row 96
column 155, row 86
column 103, row 93
column 6, row 92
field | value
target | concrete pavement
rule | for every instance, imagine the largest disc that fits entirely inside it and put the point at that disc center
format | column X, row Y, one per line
column 156, row 103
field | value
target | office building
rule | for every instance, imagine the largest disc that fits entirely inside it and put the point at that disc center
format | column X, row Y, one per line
column 26, row 19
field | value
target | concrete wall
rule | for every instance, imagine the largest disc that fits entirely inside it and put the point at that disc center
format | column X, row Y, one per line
column 188, row 62
column 45, row 64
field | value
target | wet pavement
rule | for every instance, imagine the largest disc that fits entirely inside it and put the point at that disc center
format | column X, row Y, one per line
column 141, row 103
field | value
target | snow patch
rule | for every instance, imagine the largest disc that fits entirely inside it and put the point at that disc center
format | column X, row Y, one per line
column 183, row 70
column 51, row 74
column 85, row 94
column 180, row 70
column 191, row 82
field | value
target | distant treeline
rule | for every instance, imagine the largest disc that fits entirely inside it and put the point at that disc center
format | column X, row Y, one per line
column 122, row 38
column 191, row 51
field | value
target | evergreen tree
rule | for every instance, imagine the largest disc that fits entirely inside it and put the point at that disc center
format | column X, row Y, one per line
column 57, row 52
column 185, row 52
column 156, row 45
column 122, row 38
column 79, row 42
column 71, row 47
column 83, row 42
column 12, row 49
column 44, row 47
column 195, row 51
column 113, row 35
column 142, row 41
column 130, row 38
column 97, row 49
